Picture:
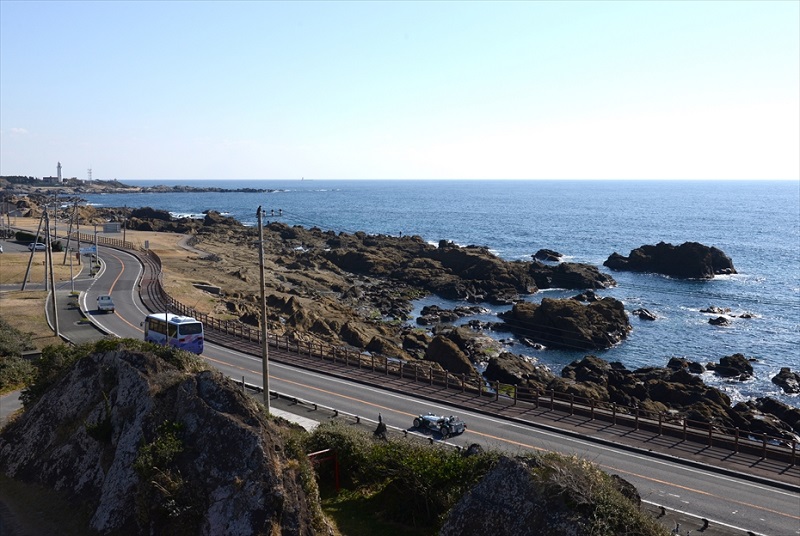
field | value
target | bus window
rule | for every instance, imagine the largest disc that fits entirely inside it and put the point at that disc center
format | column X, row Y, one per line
column 194, row 328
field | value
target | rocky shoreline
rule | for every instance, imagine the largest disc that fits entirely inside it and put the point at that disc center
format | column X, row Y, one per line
column 357, row 290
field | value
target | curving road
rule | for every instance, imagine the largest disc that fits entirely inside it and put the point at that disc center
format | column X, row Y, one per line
column 734, row 504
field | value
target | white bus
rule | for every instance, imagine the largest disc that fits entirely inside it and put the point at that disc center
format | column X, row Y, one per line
column 174, row 330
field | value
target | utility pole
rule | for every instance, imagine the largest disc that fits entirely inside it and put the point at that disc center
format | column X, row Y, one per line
column 264, row 342
column 33, row 250
column 49, row 263
column 96, row 263
column 73, row 217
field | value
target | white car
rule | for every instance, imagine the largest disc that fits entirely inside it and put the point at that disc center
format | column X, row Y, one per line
column 105, row 304
column 37, row 246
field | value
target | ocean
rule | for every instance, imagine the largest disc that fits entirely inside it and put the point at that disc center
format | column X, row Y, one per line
column 756, row 223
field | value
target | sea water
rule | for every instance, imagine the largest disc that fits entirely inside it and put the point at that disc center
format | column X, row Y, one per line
column 756, row 223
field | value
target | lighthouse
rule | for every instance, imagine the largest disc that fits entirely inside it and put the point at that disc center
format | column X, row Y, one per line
column 58, row 171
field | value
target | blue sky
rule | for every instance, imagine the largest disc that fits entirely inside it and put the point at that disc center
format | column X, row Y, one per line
column 401, row 90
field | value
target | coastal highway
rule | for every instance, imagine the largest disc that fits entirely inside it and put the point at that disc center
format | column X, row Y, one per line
column 732, row 503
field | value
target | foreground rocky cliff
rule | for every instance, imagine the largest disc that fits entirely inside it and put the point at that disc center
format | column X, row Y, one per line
column 148, row 448
column 549, row 495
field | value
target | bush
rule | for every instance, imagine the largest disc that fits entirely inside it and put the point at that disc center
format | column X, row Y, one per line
column 12, row 341
column 15, row 372
column 411, row 482
column 25, row 236
column 53, row 364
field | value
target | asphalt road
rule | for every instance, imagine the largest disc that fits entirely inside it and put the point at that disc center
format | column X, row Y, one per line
column 733, row 504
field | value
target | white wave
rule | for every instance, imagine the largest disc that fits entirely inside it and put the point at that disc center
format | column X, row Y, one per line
column 187, row 215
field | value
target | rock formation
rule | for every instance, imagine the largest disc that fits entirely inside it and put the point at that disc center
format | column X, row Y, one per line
column 732, row 366
column 570, row 275
column 690, row 260
column 149, row 449
column 569, row 323
column 547, row 496
column 547, row 255
column 787, row 380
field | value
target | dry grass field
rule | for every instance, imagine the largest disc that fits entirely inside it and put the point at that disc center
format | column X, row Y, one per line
column 24, row 310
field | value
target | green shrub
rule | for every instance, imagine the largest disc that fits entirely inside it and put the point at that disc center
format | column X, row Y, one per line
column 409, row 481
column 584, row 487
column 15, row 372
column 25, row 236
column 12, row 341
column 53, row 364
column 158, row 455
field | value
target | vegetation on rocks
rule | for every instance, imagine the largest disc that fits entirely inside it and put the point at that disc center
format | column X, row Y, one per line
column 148, row 441
column 439, row 490
column 15, row 371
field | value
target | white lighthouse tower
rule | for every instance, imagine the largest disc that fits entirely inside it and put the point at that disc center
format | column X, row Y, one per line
column 58, row 172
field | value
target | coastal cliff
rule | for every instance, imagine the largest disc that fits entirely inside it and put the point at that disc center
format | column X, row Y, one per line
column 147, row 447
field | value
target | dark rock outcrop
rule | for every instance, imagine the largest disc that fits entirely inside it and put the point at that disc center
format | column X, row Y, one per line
column 787, row 380
column 148, row 213
column 547, row 255
column 212, row 217
column 516, row 498
column 569, row 323
column 446, row 353
column 512, row 369
column 732, row 366
column 644, row 314
column 690, row 260
column 148, row 449
column 769, row 417
column 674, row 389
column 569, row 275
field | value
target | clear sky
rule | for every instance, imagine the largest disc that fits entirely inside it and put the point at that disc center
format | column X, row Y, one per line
column 401, row 90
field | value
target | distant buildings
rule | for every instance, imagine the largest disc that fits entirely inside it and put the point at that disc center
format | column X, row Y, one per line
column 56, row 179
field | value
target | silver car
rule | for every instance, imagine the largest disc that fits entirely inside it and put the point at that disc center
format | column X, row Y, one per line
column 446, row 426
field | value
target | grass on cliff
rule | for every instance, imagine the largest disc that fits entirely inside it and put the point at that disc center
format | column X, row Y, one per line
column 406, row 488
column 15, row 372
column 56, row 361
